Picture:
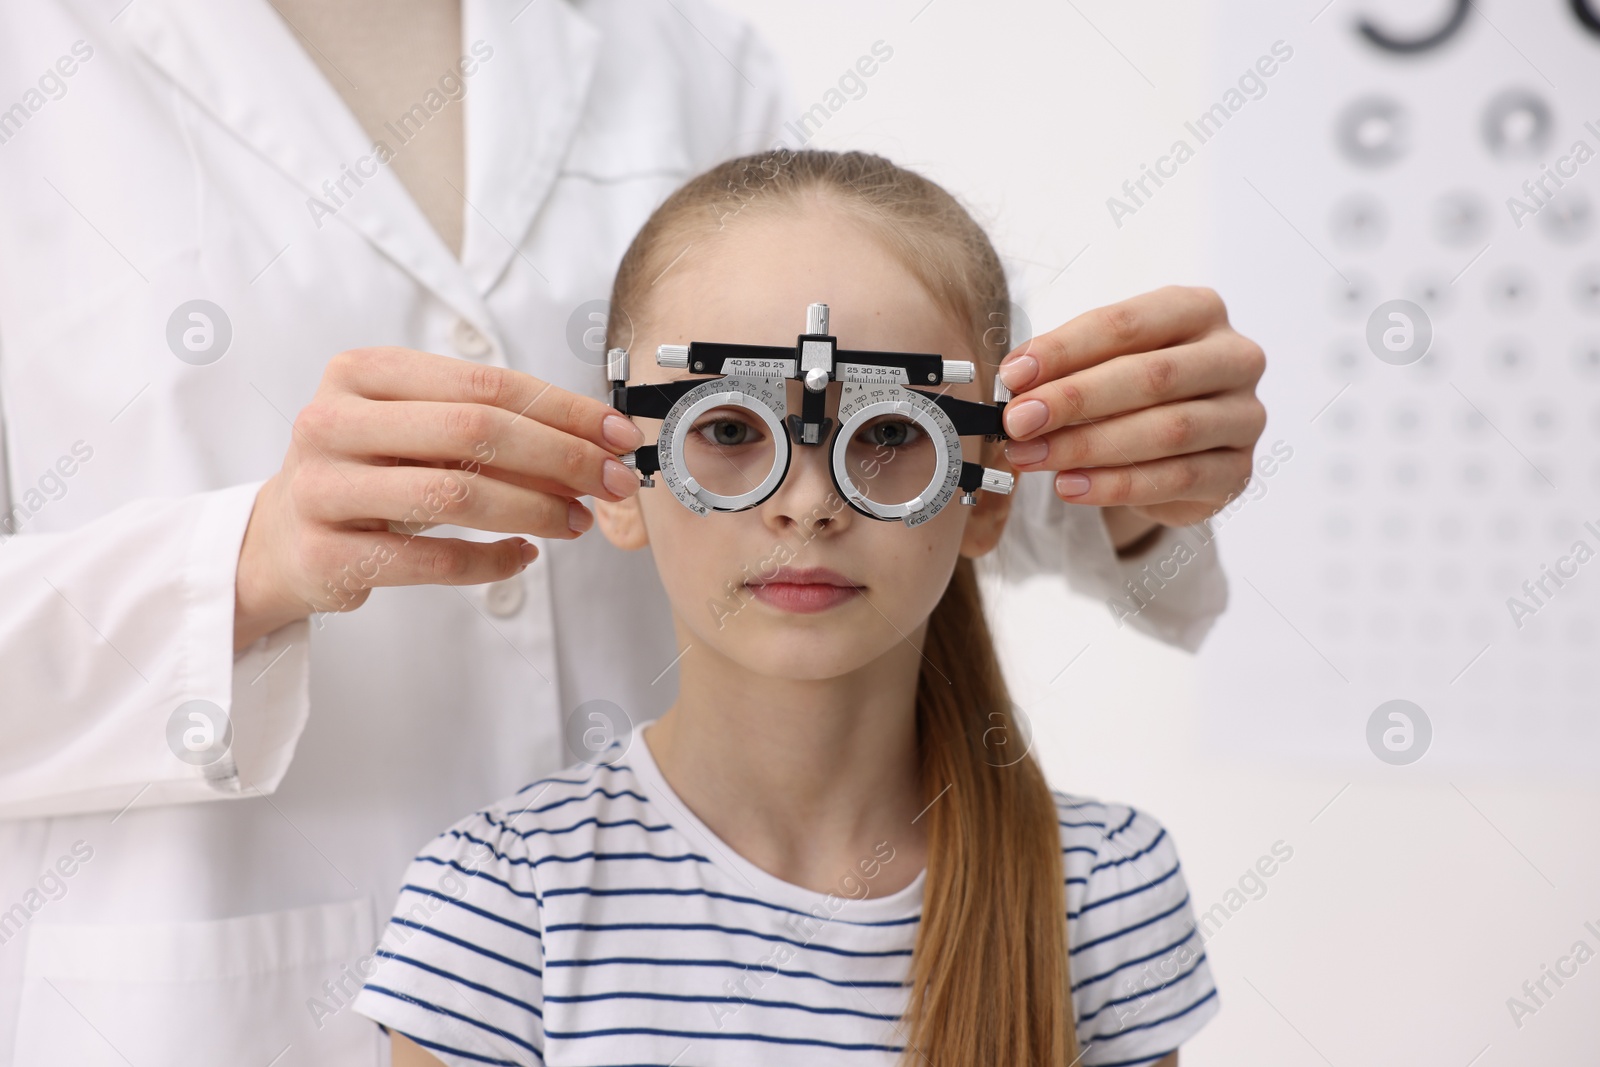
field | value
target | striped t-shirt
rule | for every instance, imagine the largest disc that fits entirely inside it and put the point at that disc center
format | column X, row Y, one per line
column 593, row 919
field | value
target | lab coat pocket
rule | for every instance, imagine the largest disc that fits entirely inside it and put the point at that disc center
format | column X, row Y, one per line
column 257, row 989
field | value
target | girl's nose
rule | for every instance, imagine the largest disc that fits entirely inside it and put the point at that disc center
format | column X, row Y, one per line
column 807, row 500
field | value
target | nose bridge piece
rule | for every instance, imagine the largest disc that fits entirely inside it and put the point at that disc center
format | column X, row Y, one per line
column 817, row 348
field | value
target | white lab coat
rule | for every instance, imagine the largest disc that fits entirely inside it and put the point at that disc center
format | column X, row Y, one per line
column 160, row 913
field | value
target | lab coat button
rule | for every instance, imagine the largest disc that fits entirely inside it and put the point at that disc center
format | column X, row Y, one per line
column 470, row 341
column 505, row 597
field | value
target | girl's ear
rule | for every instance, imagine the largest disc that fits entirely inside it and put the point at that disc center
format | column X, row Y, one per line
column 622, row 521
column 986, row 521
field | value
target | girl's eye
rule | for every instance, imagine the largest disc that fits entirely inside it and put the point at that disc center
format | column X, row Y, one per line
column 727, row 432
column 892, row 433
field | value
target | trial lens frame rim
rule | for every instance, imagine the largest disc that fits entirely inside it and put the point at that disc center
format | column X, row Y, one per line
column 861, row 368
column 945, row 476
column 679, row 424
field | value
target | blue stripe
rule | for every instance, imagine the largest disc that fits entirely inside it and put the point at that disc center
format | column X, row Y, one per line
column 646, row 961
column 685, row 998
column 1125, row 894
column 1157, row 1022
column 596, row 791
column 469, row 1020
column 699, row 1034
column 524, row 861
column 1179, row 906
column 1103, row 975
column 496, row 853
column 464, row 906
column 1131, row 856
column 1194, row 969
column 621, row 856
column 563, row 927
column 1132, row 815
column 653, row 891
column 442, row 973
column 507, row 886
column 592, row 820
column 1076, row 825
column 468, row 945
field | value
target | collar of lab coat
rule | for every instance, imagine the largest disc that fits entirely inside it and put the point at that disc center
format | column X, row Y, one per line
column 243, row 66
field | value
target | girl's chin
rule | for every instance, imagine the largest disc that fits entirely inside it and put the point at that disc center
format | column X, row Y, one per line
column 803, row 653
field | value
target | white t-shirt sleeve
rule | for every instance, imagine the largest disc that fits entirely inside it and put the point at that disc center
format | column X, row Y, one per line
column 1141, row 983
column 460, row 967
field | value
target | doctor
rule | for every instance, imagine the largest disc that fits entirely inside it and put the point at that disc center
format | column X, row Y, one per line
column 217, row 750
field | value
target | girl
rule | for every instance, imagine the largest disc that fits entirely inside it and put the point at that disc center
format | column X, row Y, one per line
column 822, row 853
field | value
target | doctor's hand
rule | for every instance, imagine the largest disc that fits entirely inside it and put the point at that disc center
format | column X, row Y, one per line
column 395, row 441
column 1146, row 407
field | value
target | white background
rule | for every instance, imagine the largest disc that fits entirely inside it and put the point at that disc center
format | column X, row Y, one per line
column 1421, row 897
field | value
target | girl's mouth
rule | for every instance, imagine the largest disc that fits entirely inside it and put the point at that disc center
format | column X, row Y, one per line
column 804, row 590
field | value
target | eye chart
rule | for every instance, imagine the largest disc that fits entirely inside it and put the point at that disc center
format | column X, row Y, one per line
column 1405, row 219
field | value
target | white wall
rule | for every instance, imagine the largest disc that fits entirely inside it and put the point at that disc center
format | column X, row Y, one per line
column 1422, row 897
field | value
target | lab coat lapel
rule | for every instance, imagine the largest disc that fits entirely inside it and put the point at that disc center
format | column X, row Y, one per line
column 523, row 109
column 242, row 65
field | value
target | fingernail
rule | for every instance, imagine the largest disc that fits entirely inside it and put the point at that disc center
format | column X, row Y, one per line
column 1071, row 483
column 1022, row 452
column 1018, row 373
column 618, row 479
column 579, row 518
column 621, row 432
column 530, row 552
column 1026, row 417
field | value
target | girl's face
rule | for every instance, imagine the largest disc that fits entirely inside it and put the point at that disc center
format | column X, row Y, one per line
column 850, row 587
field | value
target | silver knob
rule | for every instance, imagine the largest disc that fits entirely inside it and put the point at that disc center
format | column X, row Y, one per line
column 817, row 318
column 958, row 371
column 816, row 379
column 997, row 481
column 616, row 365
column 1002, row 395
column 631, row 461
column 674, row 356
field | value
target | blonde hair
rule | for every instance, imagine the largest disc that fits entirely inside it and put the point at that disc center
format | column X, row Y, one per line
column 990, row 968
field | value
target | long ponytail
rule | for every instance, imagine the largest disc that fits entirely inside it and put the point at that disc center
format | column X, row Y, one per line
column 989, row 979
column 989, row 974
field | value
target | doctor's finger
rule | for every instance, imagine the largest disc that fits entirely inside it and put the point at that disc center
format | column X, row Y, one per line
column 405, row 374
column 1168, row 316
column 427, row 496
column 1177, row 491
column 1220, row 362
column 372, row 559
column 1233, row 420
column 467, row 436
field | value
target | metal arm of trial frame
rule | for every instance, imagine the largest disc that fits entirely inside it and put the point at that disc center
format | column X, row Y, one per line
column 816, row 359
